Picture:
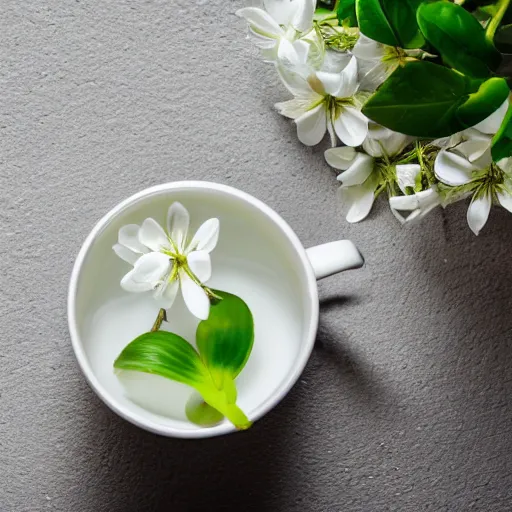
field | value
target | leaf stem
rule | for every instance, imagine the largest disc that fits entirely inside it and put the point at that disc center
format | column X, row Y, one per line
column 162, row 315
column 501, row 7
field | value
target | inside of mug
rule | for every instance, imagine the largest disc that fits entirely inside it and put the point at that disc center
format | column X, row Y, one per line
column 254, row 259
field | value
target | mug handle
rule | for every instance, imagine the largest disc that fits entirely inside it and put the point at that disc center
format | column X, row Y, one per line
column 333, row 257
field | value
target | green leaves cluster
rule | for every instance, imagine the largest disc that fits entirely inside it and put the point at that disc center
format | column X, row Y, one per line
column 458, row 88
column 224, row 343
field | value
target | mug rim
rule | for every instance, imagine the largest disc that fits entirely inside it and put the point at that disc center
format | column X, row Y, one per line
column 308, row 336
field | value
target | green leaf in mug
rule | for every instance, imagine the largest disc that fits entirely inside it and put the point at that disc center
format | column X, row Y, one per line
column 200, row 413
column 226, row 338
column 347, row 12
column 390, row 22
column 459, row 38
column 502, row 141
column 419, row 99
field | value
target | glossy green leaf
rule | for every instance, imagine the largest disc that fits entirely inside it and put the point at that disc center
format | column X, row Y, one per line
column 390, row 22
column 226, row 338
column 503, row 39
column 426, row 100
column 347, row 12
column 502, row 141
column 323, row 14
column 483, row 102
column 166, row 354
column 201, row 413
column 459, row 38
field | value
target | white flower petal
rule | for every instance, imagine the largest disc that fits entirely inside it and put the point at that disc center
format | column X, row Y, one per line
column 265, row 43
column 406, row 175
column 152, row 235
column 293, row 108
column 478, row 213
column 348, row 84
column 292, row 55
column 178, row 220
column 358, row 172
column 331, row 81
column 165, row 294
column 505, row 200
column 378, row 132
column 335, row 62
column 474, row 149
column 404, row 203
column 295, row 80
column 206, row 237
column 368, row 49
column 200, row 265
column 453, row 169
column 358, row 201
column 492, row 124
column 332, row 133
column 282, row 11
column 303, row 18
column 126, row 254
column 261, row 21
column 312, row 125
column 340, row 158
column 351, row 126
column 129, row 285
column 372, row 76
column 151, row 268
column 195, row 297
column 129, row 237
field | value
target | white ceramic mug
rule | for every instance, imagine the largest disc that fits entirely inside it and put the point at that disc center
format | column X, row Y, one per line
column 258, row 257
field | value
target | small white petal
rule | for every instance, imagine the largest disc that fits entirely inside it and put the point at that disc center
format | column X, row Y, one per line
column 406, row 175
column 474, row 149
column 368, row 49
column 379, row 132
column 178, row 220
column 478, row 213
column 166, row 293
column 200, row 265
column 129, row 237
column 151, row 268
column 358, row 172
column 335, row 62
column 261, row 21
column 372, row 77
column 152, row 235
column 312, row 125
column 331, row 81
column 128, row 284
column 292, row 55
column 453, row 169
column 332, row 133
column 340, row 158
column 303, row 18
column 265, row 43
column 358, row 200
column 293, row 108
column 281, row 11
column 351, row 126
column 404, row 203
column 295, row 80
column 195, row 297
column 505, row 200
column 492, row 124
column 206, row 237
column 348, row 84
column 126, row 254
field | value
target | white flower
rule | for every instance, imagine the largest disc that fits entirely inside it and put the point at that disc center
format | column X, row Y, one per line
column 324, row 100
column 418, row 204
column 382, row 140
column 377, row 61
column 164, row 261
column 279, row 20
column 486, row 182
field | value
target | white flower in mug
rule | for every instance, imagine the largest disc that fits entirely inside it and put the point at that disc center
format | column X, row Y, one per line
column 325, row 100
column 164, row 261
column 279, row 20
column 487, row 182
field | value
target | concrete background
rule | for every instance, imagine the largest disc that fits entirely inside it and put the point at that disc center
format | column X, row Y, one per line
column 405, row 404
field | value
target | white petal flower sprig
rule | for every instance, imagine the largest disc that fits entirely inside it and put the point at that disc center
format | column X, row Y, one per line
column 165, row 261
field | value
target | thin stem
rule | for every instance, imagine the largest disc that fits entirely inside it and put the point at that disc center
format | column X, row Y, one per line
column 162, row 315
column 502, row 7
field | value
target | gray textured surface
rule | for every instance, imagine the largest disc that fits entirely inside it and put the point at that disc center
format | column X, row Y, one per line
column 406, row 402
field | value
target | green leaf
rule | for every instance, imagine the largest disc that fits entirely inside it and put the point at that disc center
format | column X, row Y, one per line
column 200, row 413
column 426, row 100
column 166, row 354
column 483, row 102
column 347, row 11
column 503, row 39
column 392, row 22
column 502, row 141
column 226, row 338
column 459, row 38
column 322, row 14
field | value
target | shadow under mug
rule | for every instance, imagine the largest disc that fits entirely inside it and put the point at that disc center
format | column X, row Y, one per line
column 258, row 257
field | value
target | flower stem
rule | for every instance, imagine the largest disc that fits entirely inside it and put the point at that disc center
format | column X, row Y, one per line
column 162, row 315
column 501, row 7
